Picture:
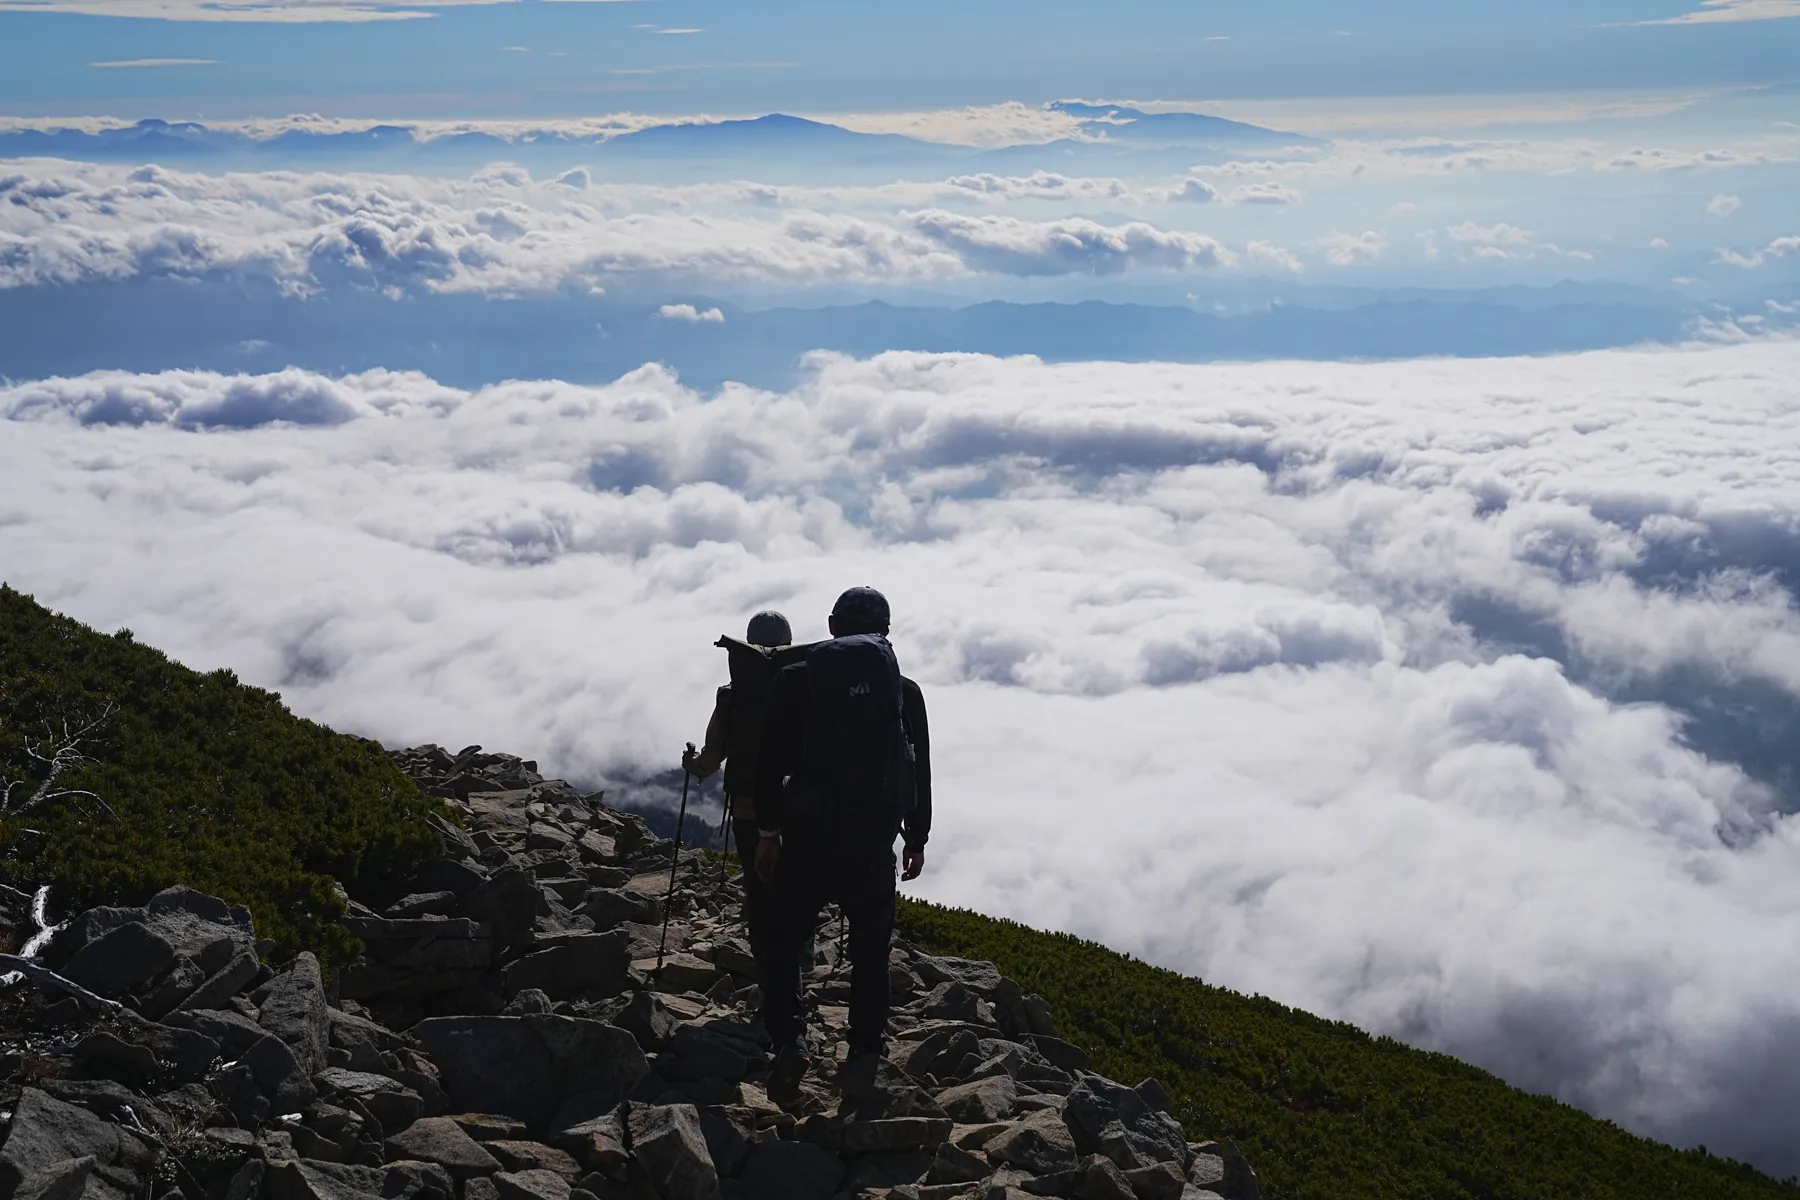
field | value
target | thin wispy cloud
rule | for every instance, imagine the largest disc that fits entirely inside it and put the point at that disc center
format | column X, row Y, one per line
column 1715, row 11
column 277, row 11
column 158, row 62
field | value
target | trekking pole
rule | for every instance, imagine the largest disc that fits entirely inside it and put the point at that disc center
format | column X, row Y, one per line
column 675, row 862
column 725, row 842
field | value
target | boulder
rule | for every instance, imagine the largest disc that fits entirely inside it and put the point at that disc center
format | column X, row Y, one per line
column 1040, row 1144
column 725, row 1142
column 685, row 973
column 46, row 1134
column 388, row 1100
column 526, row 1067
column 1099, row 1178
column 64, row 1180
column 532, row 1156
column 1220, row 1166
column 668, row 1143
column 294, row 1010
column 1111, row 1119
column 592, row 963
column 119, row 961
column 981, row 1102
column 311, row 1179
column 648, row 1019
column 952, row 1164
column 1163, row 1181
column 532, row 1185
column 226, row 982
column 161, row 997
column 490, row 1127
column 589, row 1129
column 508, row 903
column 442, row 1141
column 790, row 1171
column 982, row 977
column 696, row 1052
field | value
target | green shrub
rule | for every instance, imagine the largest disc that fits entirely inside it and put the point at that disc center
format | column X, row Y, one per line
column 211, row 783
column 1322, row 1110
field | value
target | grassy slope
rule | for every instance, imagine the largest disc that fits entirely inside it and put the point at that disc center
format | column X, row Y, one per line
column 1322, row 1110
column 214, row 784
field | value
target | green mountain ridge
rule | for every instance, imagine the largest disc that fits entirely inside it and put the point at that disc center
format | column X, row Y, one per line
column 214, row 783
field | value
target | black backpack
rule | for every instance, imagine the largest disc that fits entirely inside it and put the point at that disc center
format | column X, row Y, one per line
column 859, row 775
column 753, row 671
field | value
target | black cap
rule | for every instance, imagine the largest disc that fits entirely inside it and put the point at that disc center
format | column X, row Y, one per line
column 769, row 629
column 862, row 610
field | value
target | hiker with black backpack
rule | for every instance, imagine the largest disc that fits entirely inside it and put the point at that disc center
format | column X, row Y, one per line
column 733, row 737
column 844, row 768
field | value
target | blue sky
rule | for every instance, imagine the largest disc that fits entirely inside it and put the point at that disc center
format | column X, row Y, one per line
column 577, row 58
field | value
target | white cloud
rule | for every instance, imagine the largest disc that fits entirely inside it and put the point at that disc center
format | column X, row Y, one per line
column 1070, row 246
column 1267, row 254
column 1192, row 191
column 690, row 314
column 1656, row 158
column 1267, row 192
column 1288, row 590
column 1782, row 247
column 1352, row 249
column 1497, row 234
column 1007, row 124
column 158, row 62
column 1711, row 11
column 1659, row 243
column 278, row 11
column 501, row 231
column 1723, row 205
column 1403, row 206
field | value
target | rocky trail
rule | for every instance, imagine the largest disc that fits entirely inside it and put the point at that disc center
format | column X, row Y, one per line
column 507, row 1035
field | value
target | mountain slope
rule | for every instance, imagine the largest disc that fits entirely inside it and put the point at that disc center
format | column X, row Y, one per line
column 210, row 783
column 1324, row 1110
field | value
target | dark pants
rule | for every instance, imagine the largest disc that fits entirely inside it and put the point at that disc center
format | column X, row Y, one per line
column 756, row 897
column 863, row 888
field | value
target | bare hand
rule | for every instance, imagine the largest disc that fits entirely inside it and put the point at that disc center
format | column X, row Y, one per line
column 768, row 853
column 912, row 862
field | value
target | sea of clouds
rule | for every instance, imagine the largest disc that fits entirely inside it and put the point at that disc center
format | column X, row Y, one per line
column 1376, row 688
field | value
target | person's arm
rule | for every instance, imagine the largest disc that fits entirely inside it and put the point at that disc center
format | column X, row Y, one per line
column 712, row 755
column 916, row 825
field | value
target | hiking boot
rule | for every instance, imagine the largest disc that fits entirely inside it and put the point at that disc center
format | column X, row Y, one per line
column 856, row 1078
column 789, row 1068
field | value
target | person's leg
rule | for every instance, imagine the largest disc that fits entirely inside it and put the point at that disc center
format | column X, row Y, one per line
column 793, row 905
column 866, row 892
column 756, row 897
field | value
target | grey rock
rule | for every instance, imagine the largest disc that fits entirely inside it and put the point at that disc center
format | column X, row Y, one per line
column 120, row 960
column 106, row 1098
column 724, row 1142
column 588, row 1127
column 200, row 927
column 515, row 1156
column 1151, row 1093
column 1221, row 1166
column 685, row 973
column 64, row 1180
column 609, row 908
column 1059, row 1053
column 489, row 1127
column 84, row 928
column 980, row 1102
column 1099, row 1178
column 310, row 1179
column 233, row 1031
column 1039, row 1144
column 357, row 1042
column 294, row 1010
column 531, row 1000
column 102, row 1055
column 668, row 1143
column 1163, row 1181
column 175, row 985
column 247, row 1184
column 886, row 1170
column 508, row 903
column 648, row 1019
column 226, row 982
column 953, row 1164
column 527, row 1067
column 937, row 1053
column 695, row 1053
column 441, row 1140
column 982, row 977
column 1108, row 1118
column 419, row 904
column 389, row 1101
column 46, row 1132
column 893, row 1133
column 591, row 963
column 790, row 1171
column 532, row 1185
column 450, row 875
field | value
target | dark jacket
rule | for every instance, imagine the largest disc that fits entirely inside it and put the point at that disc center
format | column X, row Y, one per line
column 784, row 752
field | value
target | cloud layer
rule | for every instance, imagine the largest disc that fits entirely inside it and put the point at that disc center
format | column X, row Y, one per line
column 1363, row 685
